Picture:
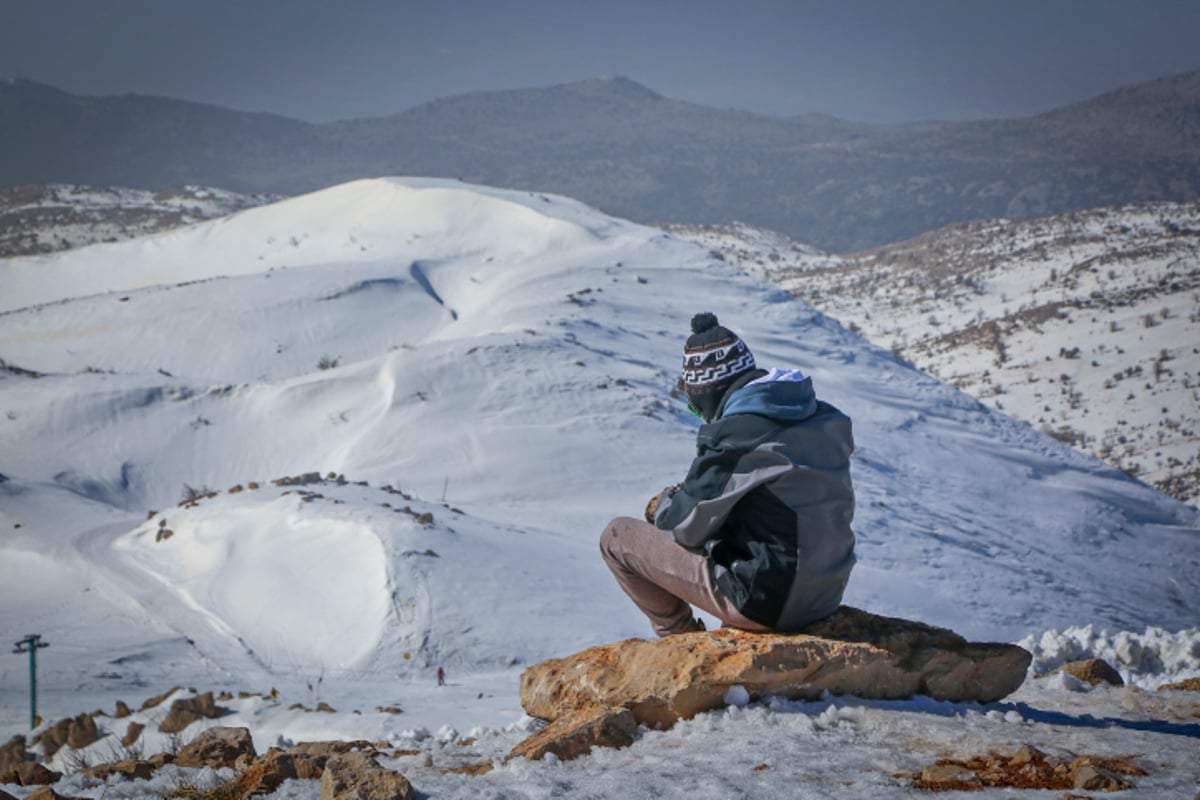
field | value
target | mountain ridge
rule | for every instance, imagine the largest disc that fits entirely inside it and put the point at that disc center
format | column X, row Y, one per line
column 630, row 151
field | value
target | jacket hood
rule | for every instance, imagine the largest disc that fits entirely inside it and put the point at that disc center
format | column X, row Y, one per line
column 782, row 394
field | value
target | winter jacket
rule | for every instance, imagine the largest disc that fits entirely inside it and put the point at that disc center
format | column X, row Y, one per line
column 768, row 498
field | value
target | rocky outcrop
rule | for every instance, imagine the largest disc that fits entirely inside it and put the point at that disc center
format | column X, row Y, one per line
column 1028, row 768
column 1187, row 685
column 30, row 773
column 131, row 769
column 132, row 732
column 187, row 710
column 358, row 776
column 276, row 766
column 216, row 748
column 46, row 793
column 1092, row 670
column 577, row 733
column 77, row 732
column 159, row 699
column 12, row 753
column 851, row 652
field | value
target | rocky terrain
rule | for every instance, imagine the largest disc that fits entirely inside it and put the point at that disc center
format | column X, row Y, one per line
column 1083, row 325
column 44, row 218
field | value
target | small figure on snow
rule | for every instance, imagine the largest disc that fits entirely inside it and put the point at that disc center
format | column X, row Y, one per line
column 758, row 533
column 441, row 673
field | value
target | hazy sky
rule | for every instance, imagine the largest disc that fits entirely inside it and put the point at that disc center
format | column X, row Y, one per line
column 871, row 60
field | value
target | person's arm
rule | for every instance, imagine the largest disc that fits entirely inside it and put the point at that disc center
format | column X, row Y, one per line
column 706, row 479
column 719, row 477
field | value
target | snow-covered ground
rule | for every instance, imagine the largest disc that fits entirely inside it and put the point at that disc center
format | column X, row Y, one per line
column 480, row 379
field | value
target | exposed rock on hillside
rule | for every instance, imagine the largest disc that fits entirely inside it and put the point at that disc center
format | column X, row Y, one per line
column 851, row 652
column 44, row 218
column 187, row 710
column 358, row 776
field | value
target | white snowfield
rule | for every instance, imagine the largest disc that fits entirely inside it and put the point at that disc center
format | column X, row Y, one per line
column 483, row 379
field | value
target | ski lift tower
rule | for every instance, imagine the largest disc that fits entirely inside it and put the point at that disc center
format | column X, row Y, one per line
column 31, row 644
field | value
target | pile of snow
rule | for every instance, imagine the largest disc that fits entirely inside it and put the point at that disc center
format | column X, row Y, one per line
column 1149, row 659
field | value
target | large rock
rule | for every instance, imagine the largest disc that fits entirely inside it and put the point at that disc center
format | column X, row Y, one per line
column 31, row 773
column 12, row 753
column 851, row 652
column 357, row 776
column 271, row 769
column 130, row 768
column 77, row 732
column 575, row 734
column 1094, row 671
column 216, row 748
column 187, row 710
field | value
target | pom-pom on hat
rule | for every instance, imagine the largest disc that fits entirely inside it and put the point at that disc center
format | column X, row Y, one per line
column 713, row 358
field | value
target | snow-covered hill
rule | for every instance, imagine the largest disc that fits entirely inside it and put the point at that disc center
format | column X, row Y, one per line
column 47, row 218
column 480, row 379
column 1085, row 325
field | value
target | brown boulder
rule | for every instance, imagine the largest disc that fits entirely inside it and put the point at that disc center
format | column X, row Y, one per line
column 1095, row 778
column 133, row 769
column 46, row 793
column 157, row 700
column 357, row 776
column 132, row 732
column 851, row 652
column 187, row 710
column 77, row 732
column 123, row 710
column 1188, row 685
column 276, row 766
column 217, row 747
column 31, row 773
column 950, row 776
column 328, row 749
column 1094, row 671
column 577, row 733
column 82, row 732
column 12, row 753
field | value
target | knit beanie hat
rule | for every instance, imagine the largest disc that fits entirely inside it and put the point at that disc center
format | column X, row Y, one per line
column 713, row 358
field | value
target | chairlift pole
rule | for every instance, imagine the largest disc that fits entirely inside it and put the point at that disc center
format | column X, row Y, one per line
column 31, row 644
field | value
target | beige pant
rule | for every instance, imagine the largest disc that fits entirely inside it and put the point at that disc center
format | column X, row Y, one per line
column 663, row 579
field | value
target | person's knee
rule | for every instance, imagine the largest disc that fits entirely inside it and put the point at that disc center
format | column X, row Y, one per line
column 608, row 539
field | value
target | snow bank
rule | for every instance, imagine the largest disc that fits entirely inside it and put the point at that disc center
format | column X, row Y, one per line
column 1147, row 659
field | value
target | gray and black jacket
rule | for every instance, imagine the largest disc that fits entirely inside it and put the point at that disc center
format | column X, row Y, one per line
column 769, row 500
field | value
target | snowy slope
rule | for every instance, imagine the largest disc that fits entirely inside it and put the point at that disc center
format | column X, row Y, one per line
column 1082, row 325
column 501, row 362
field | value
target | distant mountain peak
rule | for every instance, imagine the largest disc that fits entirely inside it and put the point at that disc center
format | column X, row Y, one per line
column 25, row 89
column 615, row 86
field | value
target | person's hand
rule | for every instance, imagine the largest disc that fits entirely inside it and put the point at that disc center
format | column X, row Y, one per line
column 652, row 506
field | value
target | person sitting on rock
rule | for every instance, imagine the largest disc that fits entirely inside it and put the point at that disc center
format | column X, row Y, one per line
column 758, row 533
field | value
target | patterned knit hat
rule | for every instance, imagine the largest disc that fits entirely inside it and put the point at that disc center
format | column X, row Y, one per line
column 712, row 359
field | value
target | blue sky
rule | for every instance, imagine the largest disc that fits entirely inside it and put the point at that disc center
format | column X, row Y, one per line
column 869, row 60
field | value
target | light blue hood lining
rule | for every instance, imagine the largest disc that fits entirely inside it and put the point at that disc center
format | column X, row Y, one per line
column 783, row 394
